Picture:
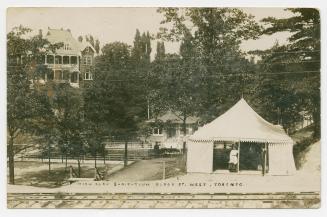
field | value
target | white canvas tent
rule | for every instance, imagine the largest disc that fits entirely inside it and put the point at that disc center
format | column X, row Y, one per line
column 241, row 124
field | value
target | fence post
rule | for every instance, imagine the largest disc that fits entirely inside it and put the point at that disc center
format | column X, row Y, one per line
column 105, row 172
column 164, row 170
column 70, row 171
column 126, row 154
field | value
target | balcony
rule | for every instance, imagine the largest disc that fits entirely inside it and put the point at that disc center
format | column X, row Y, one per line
column 69, row 67
column 59, row 62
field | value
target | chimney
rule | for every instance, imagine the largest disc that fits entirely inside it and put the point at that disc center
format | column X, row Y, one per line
column 40, row 33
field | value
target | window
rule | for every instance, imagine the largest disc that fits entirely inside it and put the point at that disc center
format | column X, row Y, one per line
column 87, row 60
column 171, row 132
column 66, row 75
column 58, row 75
column 73, row 60
column 88, row 76
column 65, row 60
column 50, row 59
column 74, row 77
column 58, row 59
column 43, row 59
column 50, row 75
column 157, row 131
column 67, row 47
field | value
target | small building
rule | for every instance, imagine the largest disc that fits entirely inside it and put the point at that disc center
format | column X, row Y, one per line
column 261, row 146
column 167, row 130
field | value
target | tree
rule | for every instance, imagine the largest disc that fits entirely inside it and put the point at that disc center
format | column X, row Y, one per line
column 141, row 50
column 217, row 34
column 302, row 54
column 97, row 46
column 118, row 93
column 160, row 51
column 96, row 129
column 23, row 56
column 140, row 57
column 276, row 95
column 181, row 83
column 43, row 122
column 92, row 40
column 67, row 102
column 80, row 38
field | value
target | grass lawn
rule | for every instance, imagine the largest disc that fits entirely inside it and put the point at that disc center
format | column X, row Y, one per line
column 37, row 173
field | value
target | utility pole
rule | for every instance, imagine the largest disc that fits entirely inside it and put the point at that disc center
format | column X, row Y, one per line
column 163, row 170
column 125, row 154
column 148, row 101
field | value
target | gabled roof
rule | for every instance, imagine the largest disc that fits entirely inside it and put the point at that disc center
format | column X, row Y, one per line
column 241, row 123
column 66, row 37
column 85, row 44
column 174, row 117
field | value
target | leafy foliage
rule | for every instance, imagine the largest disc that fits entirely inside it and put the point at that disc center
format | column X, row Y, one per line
column 210, row 47
column 289, row 94
column 27, row 110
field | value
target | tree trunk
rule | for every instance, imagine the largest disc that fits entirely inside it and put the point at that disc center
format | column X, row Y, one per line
column 125, row 155
column 184, row 134
column 79, row 166
column 65, row 161
column 104, row 154
column 95, row 157
column 49, row 157
column 11, row 161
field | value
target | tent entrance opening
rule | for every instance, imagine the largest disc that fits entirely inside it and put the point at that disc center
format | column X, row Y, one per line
column 240, row 156
column 251, row 156
column 221, row 154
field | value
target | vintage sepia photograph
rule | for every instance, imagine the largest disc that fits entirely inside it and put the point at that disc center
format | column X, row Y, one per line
column 168, row 107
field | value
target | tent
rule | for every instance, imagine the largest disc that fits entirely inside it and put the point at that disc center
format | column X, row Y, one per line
column 241, row 125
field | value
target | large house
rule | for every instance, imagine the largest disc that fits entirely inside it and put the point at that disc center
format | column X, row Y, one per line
column 167, row 130
column 73, row 62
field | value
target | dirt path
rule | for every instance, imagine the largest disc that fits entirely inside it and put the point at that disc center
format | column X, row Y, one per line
column 142, row 170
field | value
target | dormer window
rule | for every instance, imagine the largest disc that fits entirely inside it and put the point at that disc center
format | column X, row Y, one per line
column 67, row 47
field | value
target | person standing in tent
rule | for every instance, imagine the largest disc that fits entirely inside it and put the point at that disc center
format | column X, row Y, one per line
column 233, row 159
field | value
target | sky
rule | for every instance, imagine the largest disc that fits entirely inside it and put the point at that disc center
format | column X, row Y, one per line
column 120, row 24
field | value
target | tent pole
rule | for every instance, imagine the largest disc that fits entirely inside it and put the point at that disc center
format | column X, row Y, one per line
column 238, row 157
column 264, row 160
